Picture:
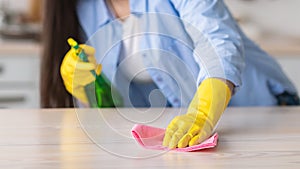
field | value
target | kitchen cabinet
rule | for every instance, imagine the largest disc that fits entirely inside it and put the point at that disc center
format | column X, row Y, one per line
column 19, row 75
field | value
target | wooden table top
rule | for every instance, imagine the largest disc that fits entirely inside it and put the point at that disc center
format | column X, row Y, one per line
column 90, row 138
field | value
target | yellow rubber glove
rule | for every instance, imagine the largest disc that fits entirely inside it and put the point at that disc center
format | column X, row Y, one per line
column 76, row 73
column 204, row 111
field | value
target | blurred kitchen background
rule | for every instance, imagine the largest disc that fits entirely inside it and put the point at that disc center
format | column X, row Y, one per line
column 273, row 24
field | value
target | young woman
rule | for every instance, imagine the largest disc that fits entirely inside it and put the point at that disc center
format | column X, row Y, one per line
column 264, row 83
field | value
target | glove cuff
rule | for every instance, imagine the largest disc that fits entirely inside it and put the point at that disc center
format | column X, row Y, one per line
column 211, row 99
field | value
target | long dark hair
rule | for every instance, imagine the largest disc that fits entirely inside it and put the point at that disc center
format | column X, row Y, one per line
column 60, row 23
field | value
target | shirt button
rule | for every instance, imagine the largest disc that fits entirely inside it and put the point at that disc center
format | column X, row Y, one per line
column 176, row 100
column 159, row 79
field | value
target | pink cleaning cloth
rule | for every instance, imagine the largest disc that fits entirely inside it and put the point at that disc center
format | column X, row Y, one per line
column 152, row 138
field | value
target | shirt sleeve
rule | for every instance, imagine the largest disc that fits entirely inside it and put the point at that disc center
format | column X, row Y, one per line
column 218, row 45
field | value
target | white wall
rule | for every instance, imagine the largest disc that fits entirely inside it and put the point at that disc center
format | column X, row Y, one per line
column 263, row 19
column 280, row 17
column 16, row 5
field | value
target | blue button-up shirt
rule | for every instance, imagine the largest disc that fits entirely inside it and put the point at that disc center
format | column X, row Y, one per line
column 182, row 43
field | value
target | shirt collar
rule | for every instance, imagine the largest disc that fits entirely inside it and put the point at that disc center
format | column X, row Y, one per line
column 104, row 15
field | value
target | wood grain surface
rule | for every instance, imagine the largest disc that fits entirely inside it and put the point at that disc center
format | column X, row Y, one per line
column 90, row 138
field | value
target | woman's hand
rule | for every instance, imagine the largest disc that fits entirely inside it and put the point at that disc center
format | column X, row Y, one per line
column 76, row 73
column 204, row 111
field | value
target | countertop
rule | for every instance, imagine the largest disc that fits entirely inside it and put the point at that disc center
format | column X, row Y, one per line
column 19, row 48
column 93, row 138
column 280, row 47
